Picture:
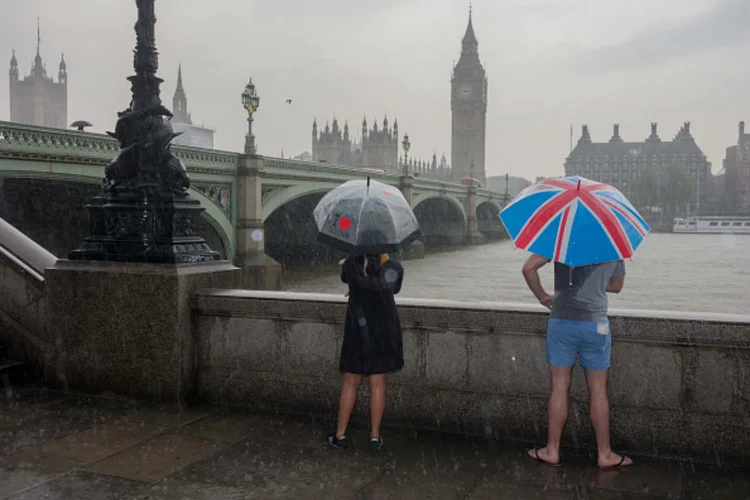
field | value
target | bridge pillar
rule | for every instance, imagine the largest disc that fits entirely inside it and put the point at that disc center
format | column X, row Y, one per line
column 473, row 236
column 406, row 186
column 259, row 271
column 416, row 249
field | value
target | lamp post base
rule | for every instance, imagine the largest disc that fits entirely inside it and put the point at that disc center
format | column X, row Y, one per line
column 144, row 227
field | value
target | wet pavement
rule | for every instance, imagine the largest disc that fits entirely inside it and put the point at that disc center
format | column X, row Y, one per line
column 54, row 446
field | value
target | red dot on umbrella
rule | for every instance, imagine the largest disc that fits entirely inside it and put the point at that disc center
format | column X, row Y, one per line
column 387, row 193
column 345, row 223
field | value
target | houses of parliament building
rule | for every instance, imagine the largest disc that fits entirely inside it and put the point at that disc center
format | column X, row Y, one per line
column 379, row 146
column 37, row 99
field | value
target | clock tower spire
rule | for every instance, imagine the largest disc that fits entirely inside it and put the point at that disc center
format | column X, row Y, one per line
column 469, row 108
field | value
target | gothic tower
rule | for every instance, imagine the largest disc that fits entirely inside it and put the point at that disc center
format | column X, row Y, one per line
column 38, row 99
column 469, row 107
column 179, row 102
column 182, row 121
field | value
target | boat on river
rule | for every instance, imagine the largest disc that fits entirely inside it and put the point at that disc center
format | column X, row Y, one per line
column 712, row 225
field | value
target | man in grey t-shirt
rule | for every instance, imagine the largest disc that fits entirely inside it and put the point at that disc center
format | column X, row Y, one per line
column 578, row 328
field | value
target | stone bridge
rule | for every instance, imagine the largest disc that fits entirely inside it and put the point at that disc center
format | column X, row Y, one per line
column 48, row 175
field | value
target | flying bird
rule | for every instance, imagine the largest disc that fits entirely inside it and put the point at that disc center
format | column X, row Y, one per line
column 288, row 101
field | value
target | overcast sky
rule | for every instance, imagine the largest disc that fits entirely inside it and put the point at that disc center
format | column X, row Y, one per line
column 550, row 63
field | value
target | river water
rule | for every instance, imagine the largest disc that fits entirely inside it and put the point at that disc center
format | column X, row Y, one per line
column 673, row 272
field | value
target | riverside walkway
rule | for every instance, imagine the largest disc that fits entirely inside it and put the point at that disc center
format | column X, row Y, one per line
column 58, row 446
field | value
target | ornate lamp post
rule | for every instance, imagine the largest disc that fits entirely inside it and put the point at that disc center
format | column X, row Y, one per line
column 506, row 196
column 250, row 101
column 406, row 145
column 144, row 213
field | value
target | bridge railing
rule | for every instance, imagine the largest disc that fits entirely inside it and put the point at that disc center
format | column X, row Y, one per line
column 29, row 142
column 333, row 171
column 274, row 165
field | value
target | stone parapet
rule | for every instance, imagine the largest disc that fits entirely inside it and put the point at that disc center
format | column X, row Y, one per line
column 126, row 328
column 680, row 383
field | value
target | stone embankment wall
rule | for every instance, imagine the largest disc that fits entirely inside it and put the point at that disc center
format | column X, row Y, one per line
column 680, row 383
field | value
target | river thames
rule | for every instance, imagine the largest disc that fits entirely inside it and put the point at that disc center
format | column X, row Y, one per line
column 673, row 272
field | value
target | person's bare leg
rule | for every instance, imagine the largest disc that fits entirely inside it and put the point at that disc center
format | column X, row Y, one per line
column 599, row 414
column 560, row 377
column 346, row 403
column 377, row 403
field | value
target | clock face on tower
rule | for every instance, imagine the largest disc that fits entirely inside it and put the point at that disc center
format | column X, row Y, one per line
column 464, row 92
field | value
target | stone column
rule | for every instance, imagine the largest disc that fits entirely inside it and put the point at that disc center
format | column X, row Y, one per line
column 416, row 249
column 406, row 185
column 259, row 271
column 473, row 236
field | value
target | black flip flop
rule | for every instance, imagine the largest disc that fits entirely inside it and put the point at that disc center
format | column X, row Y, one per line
column 618, row 464
column 540, row 459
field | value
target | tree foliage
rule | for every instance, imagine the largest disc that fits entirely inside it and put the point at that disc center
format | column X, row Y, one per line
column 669, row 187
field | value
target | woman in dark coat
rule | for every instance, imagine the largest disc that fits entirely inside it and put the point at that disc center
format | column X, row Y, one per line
column 373, row 343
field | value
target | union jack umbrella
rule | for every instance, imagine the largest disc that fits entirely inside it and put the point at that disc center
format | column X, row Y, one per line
column 575, row 221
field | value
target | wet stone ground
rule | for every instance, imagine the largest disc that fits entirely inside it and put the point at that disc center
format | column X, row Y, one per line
column 54, row 446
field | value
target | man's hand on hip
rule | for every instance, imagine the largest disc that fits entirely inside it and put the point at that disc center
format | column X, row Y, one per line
column 546, row 301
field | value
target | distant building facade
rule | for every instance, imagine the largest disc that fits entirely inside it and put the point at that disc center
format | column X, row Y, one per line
column 515, row 185
column 182, row 122
column 38, row 99
column 469, row 110
column 619, row 163
column 737, row 174
column 378, row 147
column 304, row 156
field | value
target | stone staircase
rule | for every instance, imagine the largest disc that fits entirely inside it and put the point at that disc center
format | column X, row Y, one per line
column 10, row 369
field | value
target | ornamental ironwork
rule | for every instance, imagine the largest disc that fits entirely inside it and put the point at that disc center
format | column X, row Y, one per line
column 144, row 213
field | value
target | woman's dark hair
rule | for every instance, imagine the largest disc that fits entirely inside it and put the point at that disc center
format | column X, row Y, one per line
column 373, row 263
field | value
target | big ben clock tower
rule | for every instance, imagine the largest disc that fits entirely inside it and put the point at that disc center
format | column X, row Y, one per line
column 469, row 107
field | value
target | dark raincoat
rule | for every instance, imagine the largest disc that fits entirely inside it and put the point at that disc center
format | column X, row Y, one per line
column 372, row 335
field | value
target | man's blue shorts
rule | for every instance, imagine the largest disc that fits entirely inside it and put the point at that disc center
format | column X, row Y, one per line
column 591, row 341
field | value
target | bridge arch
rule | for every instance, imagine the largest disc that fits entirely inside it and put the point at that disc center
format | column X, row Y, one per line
column 290, row 230
column 283, row 196
column 50, row 210
column 219, row 222
column 488, row 222
column 442, row 218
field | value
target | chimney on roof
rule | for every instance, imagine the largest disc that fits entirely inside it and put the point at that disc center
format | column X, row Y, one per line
column 742, row 129
column 616, row 139
column 687, row 128
column 654, row 135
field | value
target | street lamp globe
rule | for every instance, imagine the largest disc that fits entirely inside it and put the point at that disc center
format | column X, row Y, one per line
column 406, row 144
column 246, row 97
column 250, row 99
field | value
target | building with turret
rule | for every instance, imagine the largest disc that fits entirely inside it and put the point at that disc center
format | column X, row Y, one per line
column 618, row 163
column 737, row 175
column 182, row 122
column 378, row 146
column 38, row 99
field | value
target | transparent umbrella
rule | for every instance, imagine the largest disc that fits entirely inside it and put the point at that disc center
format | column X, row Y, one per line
column 366, row 217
